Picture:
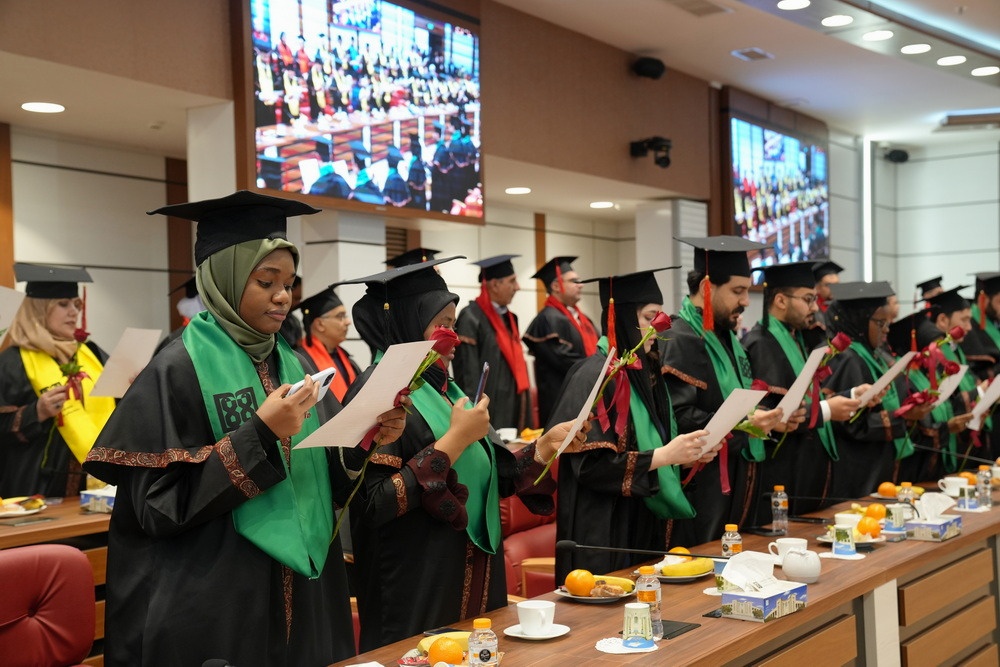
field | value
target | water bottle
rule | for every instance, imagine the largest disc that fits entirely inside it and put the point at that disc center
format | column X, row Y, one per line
column 779, row 510
column 732, row 541
column 483, row 643
column 905, row 493
column 647, row 589
column 984, row 487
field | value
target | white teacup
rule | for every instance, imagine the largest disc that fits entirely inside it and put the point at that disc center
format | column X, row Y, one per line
column 536, row 617
column 782, row 545
column 951, row 485
column 847, row 518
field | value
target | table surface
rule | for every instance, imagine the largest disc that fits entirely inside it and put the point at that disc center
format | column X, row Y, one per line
column 62, row 521
column 717, row 640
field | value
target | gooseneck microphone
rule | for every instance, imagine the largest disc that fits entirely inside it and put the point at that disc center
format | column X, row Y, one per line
column 568, row 545
column 989, row 462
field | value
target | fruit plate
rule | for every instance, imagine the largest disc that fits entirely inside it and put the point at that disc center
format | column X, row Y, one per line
column 7, row 511
column 826, row 539
column 881, row 497
column 589, row 600
column 667, row 579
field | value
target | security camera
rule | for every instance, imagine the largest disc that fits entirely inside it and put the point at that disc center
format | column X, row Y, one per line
column 662, row 160
column 659, row 145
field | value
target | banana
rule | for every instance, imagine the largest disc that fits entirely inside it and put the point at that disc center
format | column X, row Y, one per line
column 688, row 568
column 627, row 584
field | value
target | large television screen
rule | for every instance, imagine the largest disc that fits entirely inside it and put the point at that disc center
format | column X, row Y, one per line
column 367, row 102
column 780, row 193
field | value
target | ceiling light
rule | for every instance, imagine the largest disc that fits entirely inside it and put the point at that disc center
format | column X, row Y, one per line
column 602, row 204
column 43, row 107
column 791, row 5
column 837, row 20
column 914, row 49
column 985, row 71
column 948, row 61
column 877, row 35
column 518, row 191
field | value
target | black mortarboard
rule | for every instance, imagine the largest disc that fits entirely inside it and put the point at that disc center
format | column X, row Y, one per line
column 404, row 281
column 949, row 301
column 861, row 294
column 988, row 282
column 190, row 287
column 360, row 152
column 241, row 216
column 499, row 266
column 414, row 137
column 793, row 274
column 393, row 156
column 51, row 282
column 722, row 255
column 412, row 256
column 318, row 305
column 928, row 285
column 547, row 272
column 639, row 287
column 825, row 268
column 902, row 336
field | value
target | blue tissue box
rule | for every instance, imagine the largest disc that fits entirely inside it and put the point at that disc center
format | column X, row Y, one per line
column 781, row 599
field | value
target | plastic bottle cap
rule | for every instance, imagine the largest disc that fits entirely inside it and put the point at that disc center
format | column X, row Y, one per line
column 731, row 527
column 482, row 624
column 779, row 487
column 906, row 484
column 984, row 467
column 646, row 569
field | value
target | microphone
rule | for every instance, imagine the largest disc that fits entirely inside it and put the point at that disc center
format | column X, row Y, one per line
column 568, row 545
column 939, row 451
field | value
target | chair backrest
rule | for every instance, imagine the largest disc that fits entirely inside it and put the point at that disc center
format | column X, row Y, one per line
column 47, row 606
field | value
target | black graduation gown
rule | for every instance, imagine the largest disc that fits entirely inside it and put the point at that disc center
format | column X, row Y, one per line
column 696, row 396
column 479, row 344
column 984, row 360
column 23, row 438
column 183, row 586
column 601, row 489
column 415, row 570
column 802, row 464
column 556, row 346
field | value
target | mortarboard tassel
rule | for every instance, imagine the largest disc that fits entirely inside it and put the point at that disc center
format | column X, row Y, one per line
column 707, row 313
column 981, row 302
column 562, row 290
column 612, row 335
column 913, row 340
column 83, row 317
column 765, row 317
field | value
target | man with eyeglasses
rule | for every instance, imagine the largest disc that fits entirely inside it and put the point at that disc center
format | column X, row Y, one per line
column 325, row 320
column 803, row 461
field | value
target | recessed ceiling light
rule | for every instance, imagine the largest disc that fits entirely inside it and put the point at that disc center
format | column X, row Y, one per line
column 602, row 204
column 877, row 35
column 986, row 71
column 948, row 61
column 790, row 5
column 518, row 191
column 837, row 20
column 914, row 49
column 43, row 107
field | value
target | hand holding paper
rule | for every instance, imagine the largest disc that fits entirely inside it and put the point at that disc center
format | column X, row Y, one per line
column 797, row 391
column 990, row 397
column 730, row 413
column 886, row 378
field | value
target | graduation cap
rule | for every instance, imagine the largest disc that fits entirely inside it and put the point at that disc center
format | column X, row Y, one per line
column 949, row 301
column 554, row 269
column 190, row 287
column 723, row 255
column 413, row 137
column 902, row 336
column 360, row 152
column 825, row 268
column 793, row 274
column 318, row 305
column 51, row 282
column 862, row 294
column 403, row 281
column 631, row 288
column 393, row 157
column 928, row 285
column 412, row 256
column 241, row 216
column 988, row 282
column 499, row 266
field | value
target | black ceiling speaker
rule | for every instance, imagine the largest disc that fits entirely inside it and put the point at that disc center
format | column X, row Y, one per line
column 651, row 68
column 896, row 155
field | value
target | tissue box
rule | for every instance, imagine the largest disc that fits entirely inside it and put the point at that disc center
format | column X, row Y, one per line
column 940, row 529
column 99, row 500
column 777, row 600
column 720, row 581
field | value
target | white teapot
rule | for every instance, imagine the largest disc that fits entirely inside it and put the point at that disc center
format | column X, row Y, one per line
column 801, row 565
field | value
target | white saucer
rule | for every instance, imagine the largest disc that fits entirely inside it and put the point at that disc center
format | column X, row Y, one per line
column 557, row 631
column 829, row 554
column 712, row 590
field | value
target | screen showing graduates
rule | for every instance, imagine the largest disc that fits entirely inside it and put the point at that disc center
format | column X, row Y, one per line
column 367, row 101
column 780, row 194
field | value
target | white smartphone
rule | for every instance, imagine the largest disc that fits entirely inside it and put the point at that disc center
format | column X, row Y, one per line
column 323, row 378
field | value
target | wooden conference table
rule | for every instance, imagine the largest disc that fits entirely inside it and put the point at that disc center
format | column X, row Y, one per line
column 906, row 603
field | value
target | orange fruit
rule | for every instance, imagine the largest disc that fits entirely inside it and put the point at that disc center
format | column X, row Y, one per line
column 875, row 511
column 869, row 526
column 887, row 489
column 680, row 550
column 446, row 650
column 971, row 476
column 579, row 583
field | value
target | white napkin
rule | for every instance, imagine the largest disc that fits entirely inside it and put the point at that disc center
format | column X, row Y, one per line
column 750, row 571
column 932, row 505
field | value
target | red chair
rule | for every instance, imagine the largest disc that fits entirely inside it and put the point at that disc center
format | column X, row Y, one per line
column 529, row 546
column 47, row 606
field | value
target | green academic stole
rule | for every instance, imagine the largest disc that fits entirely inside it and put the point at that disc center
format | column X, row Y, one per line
column 990, row 329
column 890, row 402
column 941, row 414
column 293, row 520
column 728, row 377
column 476, row 467
column 794, row 352
column 670, row 501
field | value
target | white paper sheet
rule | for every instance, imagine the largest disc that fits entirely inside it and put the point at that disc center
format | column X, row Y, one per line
column 950, row 384
column 730, row 413
column 886, row 378
column 790, row 403
column 10, row 301
column 990, row 397
column 378, row 395
column 133, row 352
column 585, row 409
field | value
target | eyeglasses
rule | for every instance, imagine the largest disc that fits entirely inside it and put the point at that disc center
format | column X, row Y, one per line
column 339, row 316
column 879, row 322
column 808, row 300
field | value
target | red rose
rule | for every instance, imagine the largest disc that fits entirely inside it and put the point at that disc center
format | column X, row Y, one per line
column 957, row 333
column 661, row 322
column 841, row 342
column 822, row 373
column 950, row 367
column 445, row 340
column 760, row 385
column 81, row 336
